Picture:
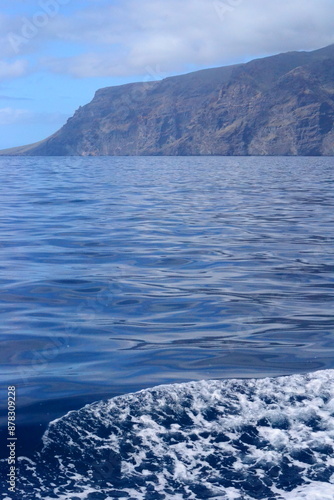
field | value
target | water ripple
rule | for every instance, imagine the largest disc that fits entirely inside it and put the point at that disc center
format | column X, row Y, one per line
column 154, row 270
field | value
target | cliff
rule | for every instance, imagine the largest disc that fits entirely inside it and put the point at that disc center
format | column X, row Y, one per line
column 279, row 105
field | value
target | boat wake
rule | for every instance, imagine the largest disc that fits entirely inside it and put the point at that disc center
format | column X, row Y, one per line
column 248, row 439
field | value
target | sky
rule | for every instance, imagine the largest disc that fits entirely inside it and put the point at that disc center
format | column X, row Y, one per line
column 54, row 54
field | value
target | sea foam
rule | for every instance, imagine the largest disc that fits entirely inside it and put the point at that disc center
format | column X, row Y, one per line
column 238, row 439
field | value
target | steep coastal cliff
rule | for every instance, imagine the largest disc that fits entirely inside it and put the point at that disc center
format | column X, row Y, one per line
column 279, row 105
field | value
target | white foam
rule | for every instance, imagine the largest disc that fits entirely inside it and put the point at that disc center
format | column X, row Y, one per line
column 312, row 491
column 225, row 439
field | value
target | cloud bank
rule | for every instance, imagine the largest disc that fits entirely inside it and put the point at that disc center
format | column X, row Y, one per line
column 125, row 38
column 172, row 35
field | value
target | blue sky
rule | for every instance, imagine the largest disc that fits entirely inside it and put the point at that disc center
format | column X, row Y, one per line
column 54, row 54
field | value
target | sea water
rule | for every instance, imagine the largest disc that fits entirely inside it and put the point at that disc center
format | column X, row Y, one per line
column 199, row 281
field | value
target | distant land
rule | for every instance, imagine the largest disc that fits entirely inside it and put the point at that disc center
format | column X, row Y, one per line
column 278, row 105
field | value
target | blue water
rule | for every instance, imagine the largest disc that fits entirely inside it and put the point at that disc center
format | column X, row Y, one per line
column 119, row 274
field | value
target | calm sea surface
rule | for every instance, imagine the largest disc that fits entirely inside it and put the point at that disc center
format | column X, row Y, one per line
column 119, row 274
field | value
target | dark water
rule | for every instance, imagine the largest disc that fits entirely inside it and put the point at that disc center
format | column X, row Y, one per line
column 119, row 274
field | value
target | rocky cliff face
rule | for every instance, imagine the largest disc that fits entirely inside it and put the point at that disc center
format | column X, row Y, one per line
column 279, row 105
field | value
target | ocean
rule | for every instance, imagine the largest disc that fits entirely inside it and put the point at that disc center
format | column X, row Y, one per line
column 167, row 323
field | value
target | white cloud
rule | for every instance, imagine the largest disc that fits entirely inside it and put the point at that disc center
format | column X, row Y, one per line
column 13, row 69
column 8, row 116
column 174, row 35
column 124, row 38
column 19, row 116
